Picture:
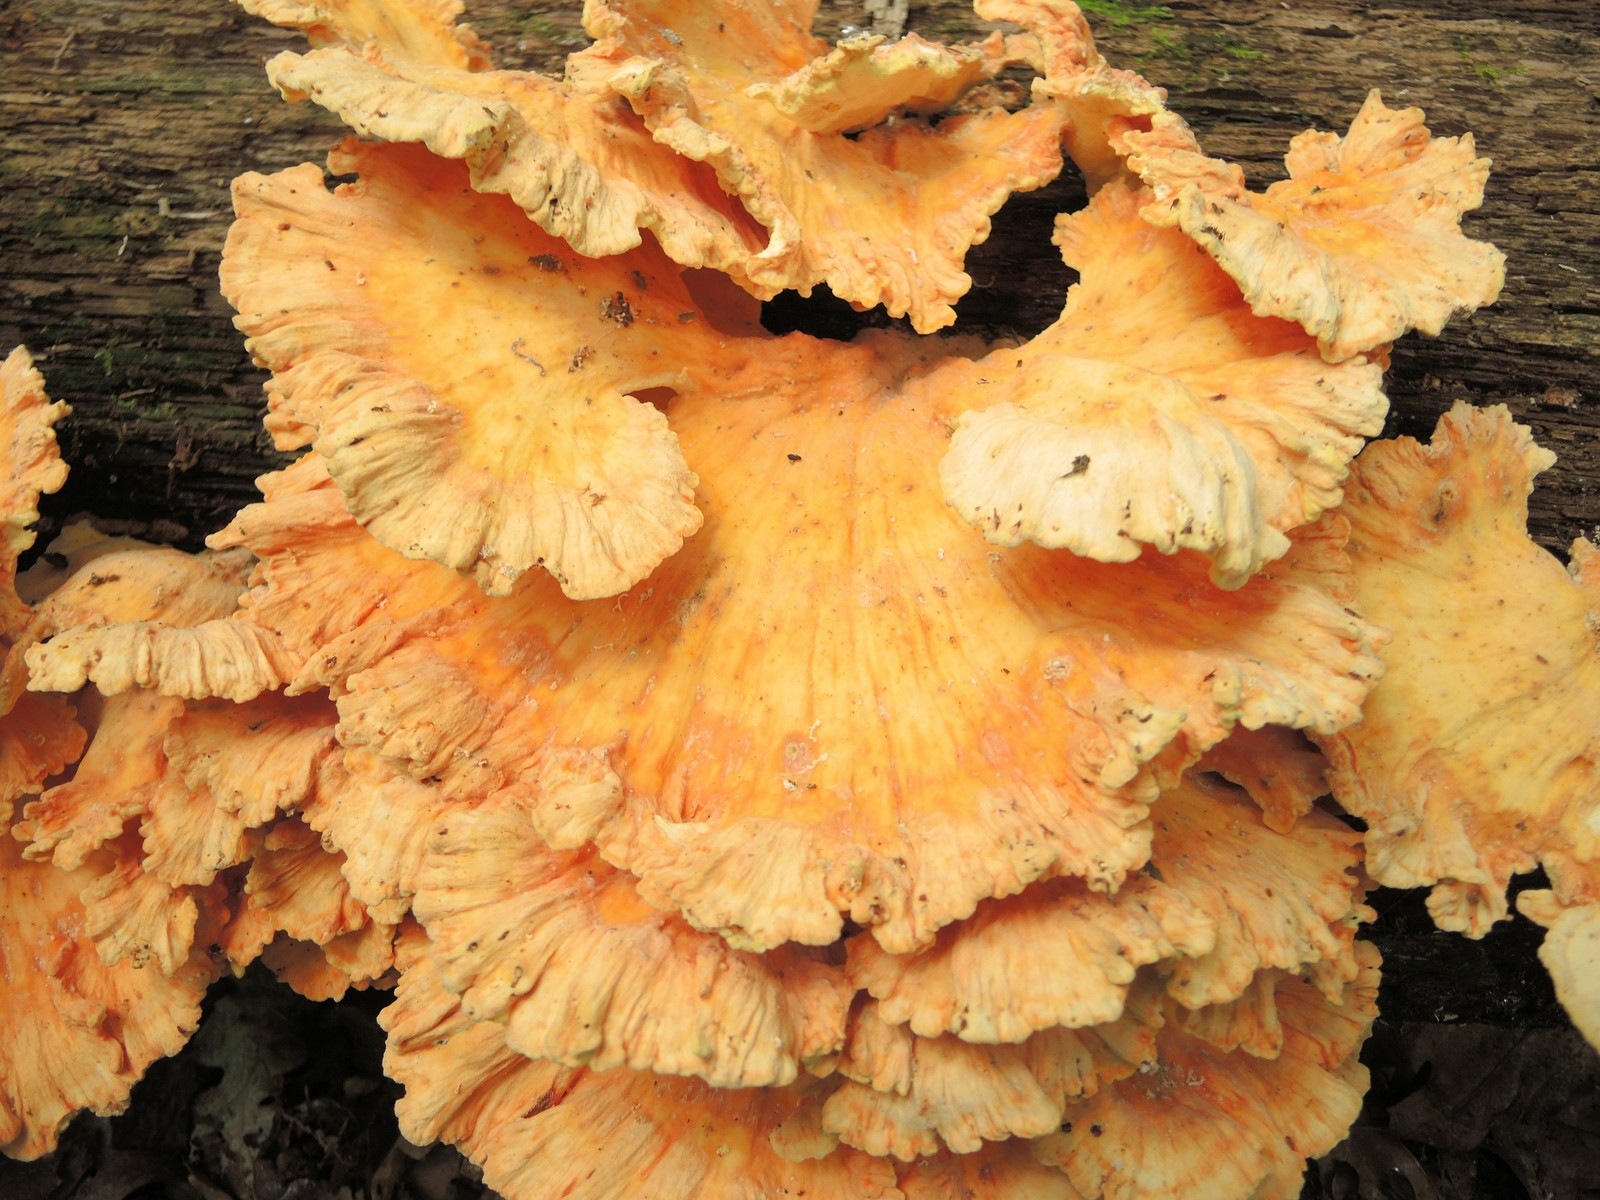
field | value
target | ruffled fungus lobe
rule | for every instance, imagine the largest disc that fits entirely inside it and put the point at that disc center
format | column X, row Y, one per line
column 737, row 158
column 1220, row 435
column 1570, row 914
column 539, row 1128
column 38, row 736
column 1361, row 243
column 77, row 1033
column 649, row 992
column 1476, row 756
column 452, row 440
column 1210, row 1124
column 747, row 90
column 1222, row 899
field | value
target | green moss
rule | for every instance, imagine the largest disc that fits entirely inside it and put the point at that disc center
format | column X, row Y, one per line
column 1119, row 15
column 1485, row 71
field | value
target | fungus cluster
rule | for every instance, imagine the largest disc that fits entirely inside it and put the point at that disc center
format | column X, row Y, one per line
column 764, row 765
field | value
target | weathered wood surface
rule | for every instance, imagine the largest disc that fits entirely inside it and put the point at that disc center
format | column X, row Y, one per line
column 124, row 120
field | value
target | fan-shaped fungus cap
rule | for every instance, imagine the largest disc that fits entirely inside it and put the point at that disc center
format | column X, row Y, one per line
column 906, row 1096
column 297, row 912
column 1156, row 411
column 492, row 442
column 1361, row 243
column 1097, row 100
column 1222, row 899
column 38, row 736
column 1485, row 622
column 1202, row 1123
column 738, row 159
column 153, row 618
column 505, row 917
column 748, row 90
column 32, row 466
column 1026, row 750
column 232, row 768
column 539, row 1128
column 77, row 1033
column 162, row 593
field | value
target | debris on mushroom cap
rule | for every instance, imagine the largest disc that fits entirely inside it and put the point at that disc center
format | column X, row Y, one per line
column 1206, row 1124
column 1476, row 756
column 1361, row 243
column 505, row 916
column 422, row 32
column 77, row 1034
column 492, row 442
column 1220, row 435
column 1027, row 751
column 1280, row 769
column 1223, row 899
column 918, row 196
column 541, row 1129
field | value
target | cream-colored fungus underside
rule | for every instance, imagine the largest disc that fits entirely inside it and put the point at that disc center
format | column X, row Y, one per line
column 648, row 992
column 1476, row 755
column 1207, row 1124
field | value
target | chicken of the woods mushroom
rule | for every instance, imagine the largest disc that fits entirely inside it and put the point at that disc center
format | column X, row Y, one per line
column 765, row 765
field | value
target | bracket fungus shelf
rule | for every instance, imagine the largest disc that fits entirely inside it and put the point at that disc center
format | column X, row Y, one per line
column 915, row 766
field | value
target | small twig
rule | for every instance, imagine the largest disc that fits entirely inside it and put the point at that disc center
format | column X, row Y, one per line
column 66, row 44
column 516, row 348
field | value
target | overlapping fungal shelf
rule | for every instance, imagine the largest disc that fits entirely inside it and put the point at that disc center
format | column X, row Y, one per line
column 765, row 765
